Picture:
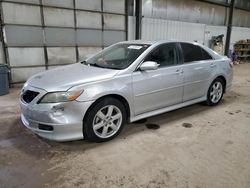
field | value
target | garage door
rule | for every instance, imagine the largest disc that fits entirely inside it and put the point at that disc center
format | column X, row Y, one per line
column 41, row 35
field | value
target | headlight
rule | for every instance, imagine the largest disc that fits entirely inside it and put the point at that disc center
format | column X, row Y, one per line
column 60, row 96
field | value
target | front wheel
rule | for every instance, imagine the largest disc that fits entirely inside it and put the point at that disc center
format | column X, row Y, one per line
column 104, row 120
column 215, row 92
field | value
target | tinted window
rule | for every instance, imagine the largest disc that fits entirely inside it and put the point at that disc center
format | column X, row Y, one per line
column 206, row 55
column 165, row 55
column 119, row 56
column 193, row 53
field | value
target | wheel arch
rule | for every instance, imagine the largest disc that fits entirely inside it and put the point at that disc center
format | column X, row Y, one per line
column 224, row 82
column 122, row 99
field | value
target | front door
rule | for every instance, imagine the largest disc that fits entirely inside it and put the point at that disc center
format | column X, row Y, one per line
column 155, row 89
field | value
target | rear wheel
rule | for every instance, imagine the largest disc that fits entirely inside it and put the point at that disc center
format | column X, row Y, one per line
column 105, row 120
column 215, row 92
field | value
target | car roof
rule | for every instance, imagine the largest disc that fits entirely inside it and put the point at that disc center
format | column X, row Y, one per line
column 158, row 42
column 138, row 42
column 154, row 42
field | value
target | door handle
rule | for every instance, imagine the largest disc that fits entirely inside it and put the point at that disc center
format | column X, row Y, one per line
column 212, row 65
column 198, row 68
column 179, row 71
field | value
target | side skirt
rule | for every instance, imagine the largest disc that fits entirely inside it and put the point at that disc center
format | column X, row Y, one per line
column 167, row 109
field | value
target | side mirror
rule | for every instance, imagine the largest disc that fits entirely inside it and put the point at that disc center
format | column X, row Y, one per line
column 149, row 65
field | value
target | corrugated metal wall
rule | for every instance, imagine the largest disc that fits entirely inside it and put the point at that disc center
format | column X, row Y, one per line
column 191, row 20
column 44, row 34
column 156, row 29
column 183, row 10
column 241, row 18
column 196, row 11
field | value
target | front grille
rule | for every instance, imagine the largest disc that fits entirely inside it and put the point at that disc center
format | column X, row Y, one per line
column 29, row 95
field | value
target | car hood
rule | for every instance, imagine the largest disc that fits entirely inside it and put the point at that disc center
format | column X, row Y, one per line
column 61, row 79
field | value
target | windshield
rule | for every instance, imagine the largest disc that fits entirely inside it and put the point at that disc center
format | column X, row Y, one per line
column 119, row 56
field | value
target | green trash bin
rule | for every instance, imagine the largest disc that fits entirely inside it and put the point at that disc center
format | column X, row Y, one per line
column 4, row 81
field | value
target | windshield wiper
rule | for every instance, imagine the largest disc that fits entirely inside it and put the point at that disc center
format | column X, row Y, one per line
column 97, row 65
column 85, row 62
column 91, row 64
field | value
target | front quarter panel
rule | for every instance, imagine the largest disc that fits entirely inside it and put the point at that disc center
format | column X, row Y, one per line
column 119, row 85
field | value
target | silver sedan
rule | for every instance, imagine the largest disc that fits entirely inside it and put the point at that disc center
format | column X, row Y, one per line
column 125, row 82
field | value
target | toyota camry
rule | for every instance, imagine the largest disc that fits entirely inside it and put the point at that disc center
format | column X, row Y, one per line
column 125, row 82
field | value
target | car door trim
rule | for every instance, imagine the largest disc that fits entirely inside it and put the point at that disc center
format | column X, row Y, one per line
column 166, row 109
column 189, row 83
column 157, row 91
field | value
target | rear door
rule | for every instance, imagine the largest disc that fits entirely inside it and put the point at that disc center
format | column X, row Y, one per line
column 197, row 68
column 155, row 89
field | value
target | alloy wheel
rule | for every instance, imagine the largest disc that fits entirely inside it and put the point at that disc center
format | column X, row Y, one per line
column 107, row 121
column 216, row 92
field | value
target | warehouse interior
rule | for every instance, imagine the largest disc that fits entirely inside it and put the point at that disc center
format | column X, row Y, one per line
column 196, row 146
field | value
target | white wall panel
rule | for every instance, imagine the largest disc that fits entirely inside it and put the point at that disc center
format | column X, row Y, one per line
column 60, row 37
column 26, row 56
column 62, row 55
column 25, row 1
column 85, row 52
column 21, row 14
column 89, row 19
column 111, row 37
column 88, row 4
column 86, row 37
column 58, row 17
column 211, row 31
column 116, row 6
column 239, row 33
column 23, row 35
column 22, row 74
column 131, row 27
column 59, row 3
column 158, row 29
column 112, row 21
column 2, row 61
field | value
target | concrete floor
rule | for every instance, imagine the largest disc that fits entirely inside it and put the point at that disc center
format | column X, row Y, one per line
column 213, row 152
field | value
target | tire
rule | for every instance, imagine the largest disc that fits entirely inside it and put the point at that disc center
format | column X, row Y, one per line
column 104, row 120
column 215, row 92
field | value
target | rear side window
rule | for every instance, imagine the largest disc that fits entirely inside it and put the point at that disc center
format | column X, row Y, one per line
column 206, row 55
column 193, row 52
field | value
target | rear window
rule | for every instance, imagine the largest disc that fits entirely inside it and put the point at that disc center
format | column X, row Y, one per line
column 193, row 52
column 206, row 55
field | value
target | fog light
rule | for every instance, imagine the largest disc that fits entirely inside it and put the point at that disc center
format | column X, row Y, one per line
column 45, row 127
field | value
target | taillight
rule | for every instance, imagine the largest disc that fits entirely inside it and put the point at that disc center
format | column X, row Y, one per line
column 231, row 64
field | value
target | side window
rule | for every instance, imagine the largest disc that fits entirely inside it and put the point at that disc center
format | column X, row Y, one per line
column 165, row 55
column 206, row 56
column 191, row 52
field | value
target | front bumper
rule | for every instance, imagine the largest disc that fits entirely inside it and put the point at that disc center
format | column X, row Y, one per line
column 65, row 118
